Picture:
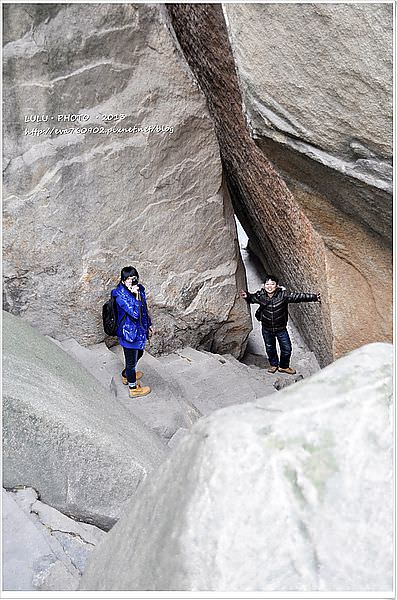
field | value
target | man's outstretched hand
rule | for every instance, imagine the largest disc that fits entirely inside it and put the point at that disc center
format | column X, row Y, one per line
column 243, row 294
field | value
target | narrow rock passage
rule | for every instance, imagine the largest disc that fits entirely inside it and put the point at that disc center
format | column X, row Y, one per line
column 303, row 360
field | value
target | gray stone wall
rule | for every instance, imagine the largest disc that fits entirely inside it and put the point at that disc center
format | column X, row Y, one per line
column 80, row 206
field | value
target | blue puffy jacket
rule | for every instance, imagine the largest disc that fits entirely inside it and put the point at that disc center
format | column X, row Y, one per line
column 133, row 317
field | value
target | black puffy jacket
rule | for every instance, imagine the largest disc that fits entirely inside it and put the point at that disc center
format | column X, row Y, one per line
column 273, row 312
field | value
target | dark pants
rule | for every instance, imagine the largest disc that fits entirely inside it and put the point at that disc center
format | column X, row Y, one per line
column 285, row 347
column 131, row 358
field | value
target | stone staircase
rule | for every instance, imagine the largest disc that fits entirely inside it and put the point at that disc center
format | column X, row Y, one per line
column 186, row 384
column 189, row 384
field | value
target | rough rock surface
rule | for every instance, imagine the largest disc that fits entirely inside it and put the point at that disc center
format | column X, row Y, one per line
column 79, row 206
column 64, row 435
column 42, row 548
column 290, row 493
column 318, row 228
column 318, row 101
column 309, row 84
column 29, row 560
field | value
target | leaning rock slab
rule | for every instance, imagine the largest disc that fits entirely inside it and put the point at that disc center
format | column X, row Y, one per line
column 291, row 493
column 324, row 92
column 319, row 103
column 80, row 205
column 64, row 435
column 316, row 226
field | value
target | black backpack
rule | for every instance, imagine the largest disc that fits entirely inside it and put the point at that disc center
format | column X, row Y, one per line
column 110, row 316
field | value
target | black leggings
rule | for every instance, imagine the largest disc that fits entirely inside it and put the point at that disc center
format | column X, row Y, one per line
column 132, row 356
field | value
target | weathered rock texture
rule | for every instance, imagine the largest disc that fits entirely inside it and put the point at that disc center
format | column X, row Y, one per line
column 313, row 87
column 64, row 435
column 42, row 548
column 318, row 100
column 292, row 228
column 290, row 493
column 78, row 207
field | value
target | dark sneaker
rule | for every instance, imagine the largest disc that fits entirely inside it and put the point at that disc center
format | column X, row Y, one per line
column 272, row 369
column 287, row 370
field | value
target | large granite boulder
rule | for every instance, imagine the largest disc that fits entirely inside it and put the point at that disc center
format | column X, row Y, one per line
column 64, row 435
column 289, row 493
column 79, row 206
column 318, row 101
column 317, row 216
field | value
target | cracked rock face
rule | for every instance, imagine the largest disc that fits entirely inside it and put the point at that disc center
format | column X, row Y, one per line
column 290, row 493
column 79, row 206
column 65, row 435
column 42, row 548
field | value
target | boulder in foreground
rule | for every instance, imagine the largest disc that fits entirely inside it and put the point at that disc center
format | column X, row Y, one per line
column 64, row 435
column 289, row 493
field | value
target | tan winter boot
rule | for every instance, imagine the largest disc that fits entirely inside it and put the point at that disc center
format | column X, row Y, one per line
column 125, row 380
column 287, row 370
column 139, row 391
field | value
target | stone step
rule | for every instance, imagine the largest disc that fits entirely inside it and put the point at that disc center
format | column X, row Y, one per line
column 97, row 360
column 165, row 409
column 185, row 385
column 187, row 358
column 257, row 379
column 212, row 385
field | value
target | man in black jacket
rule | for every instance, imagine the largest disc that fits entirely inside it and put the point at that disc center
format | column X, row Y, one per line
column 273, row 313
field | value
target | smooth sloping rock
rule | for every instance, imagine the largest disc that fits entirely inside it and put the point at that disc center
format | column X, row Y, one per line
column 42, row 548
column 64, row 435
column 291, row 493
column 80, row 206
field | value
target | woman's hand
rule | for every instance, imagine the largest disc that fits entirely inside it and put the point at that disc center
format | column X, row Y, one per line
column 134, row 289
column 151, row 331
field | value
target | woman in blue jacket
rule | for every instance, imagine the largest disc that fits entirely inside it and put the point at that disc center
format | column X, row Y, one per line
column 134, row 327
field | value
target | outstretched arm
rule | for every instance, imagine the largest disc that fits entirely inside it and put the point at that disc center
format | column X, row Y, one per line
column 250, row 298
column 302, row 297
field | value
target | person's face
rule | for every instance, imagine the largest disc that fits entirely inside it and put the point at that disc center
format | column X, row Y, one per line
column 270, row 286
column 128, row 281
